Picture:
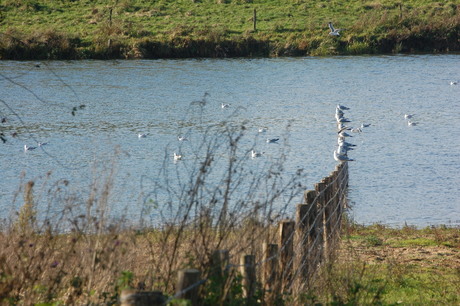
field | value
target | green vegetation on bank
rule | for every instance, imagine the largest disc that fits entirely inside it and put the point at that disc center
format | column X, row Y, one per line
column 72, row 29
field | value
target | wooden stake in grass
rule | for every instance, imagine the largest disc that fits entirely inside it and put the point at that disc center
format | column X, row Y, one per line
column 286, row 241
column 188, row 285
column 270, row 275
column 254, row 19
column 248, row 271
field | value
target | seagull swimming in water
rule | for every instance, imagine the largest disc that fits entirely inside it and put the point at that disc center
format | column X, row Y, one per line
column 255, row 154
column 410, row 123
column 408, row 116
column 272, row 140
column 27, row 148
column 141, row 135
column 182, row 138
column 263, row 130
column 177, row 156
column 334, row 31
column 223, row 105
column 453, row 83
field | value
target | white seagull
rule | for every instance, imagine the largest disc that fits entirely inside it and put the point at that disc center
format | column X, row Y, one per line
column 272, row 140
column 182, row 138
column 341, row 158
column 410, row 123
column 255, row 154
column 342, row 107
column 453, row 83
column 263, row 130
column 27, row 148
column 177, row 156
column 344, row 134
column 342, row 120
column 341, row 142
column 408, row 116
column 365, row 125
column 334, row 31
column 341, row 150
column 141, row 135
column 357, row 130
column 42, row 144
column 223, row 105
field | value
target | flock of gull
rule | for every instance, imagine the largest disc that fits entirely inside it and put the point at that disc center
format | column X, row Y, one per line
column 178, row 157
column 341, row 153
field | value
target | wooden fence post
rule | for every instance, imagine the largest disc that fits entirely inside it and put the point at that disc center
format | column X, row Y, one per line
column 270, row 277
column 286, row 242
column 219, row 272
column 319, row 187
column 248, row 271
column 327, row 215
column 131, row 297
column 313, row 240
column 254, row 19
column 185, row 280
column 302, row 245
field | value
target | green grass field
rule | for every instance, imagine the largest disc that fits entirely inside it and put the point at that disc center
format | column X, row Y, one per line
column 224, row 28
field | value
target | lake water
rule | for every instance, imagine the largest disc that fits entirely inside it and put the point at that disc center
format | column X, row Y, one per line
column 401, row 174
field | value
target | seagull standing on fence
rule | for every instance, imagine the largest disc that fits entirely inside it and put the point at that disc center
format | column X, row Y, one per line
column 341, row 158
column 344, row 134
column 342, row 107
column 341, row 141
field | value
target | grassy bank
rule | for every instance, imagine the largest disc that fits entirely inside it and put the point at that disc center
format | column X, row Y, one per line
column 375, row 265
column 67, row 29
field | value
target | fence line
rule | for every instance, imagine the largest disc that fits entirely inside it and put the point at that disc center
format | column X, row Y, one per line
column 305, row 242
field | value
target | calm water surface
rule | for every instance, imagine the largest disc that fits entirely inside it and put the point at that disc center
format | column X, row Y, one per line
column 402, row 175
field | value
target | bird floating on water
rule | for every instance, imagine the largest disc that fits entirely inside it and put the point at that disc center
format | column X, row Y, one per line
column 365, row 125
column 263, row 130
column 255, row 154
column 272, row 140
column 177, row 156
column 410, row 123
column 453, row 83
column 141, row 135
column 27, row 148
column 42, row 144
column 182, row 138
column 408, row 116
column 224, row 105
column 334, row 31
